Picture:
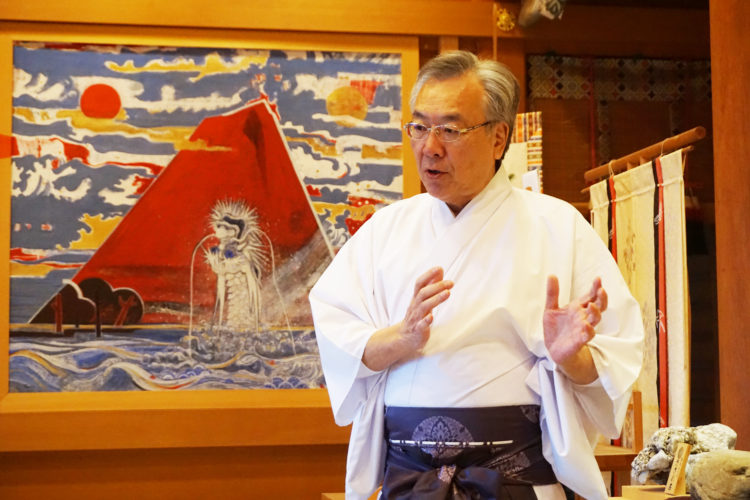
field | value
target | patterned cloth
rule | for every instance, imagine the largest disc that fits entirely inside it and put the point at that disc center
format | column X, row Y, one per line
column 640, row 213
column 604, row 80
column 525, row 152
column 464, row 453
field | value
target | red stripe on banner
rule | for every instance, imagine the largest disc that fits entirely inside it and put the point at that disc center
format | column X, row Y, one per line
column 661, row 310
column 613, row 250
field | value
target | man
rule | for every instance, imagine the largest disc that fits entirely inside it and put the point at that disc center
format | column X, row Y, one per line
column 436, row 338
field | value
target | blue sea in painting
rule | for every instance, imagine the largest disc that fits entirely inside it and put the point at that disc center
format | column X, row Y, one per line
column 163, row 359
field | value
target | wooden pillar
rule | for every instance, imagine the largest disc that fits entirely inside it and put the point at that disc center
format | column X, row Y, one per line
column 512, row 53
column 448, row 43
column 730, row 74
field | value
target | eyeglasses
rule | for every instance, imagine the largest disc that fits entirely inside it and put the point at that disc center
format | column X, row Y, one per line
column 445, row 133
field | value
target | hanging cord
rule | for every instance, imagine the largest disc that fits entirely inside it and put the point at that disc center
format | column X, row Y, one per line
column 278, row 292
column 190, row 321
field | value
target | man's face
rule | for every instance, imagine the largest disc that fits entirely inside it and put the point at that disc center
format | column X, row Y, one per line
column 455, row 172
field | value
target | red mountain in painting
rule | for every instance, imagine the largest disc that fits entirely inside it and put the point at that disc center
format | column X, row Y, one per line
column 245, row 158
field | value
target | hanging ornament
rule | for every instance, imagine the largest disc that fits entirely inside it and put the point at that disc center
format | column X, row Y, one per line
column 506, row 21
column 532, row 10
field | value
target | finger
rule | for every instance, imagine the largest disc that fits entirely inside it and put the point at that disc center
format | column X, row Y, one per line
column 602, row 300
column 553, row 291
column 591, row 295
column 425, row 307
column 432, row 289
column 587, row 333
column 593, row 314
column 430, row 276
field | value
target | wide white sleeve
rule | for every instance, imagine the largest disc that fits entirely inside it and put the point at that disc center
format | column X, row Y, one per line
column 572, row 415
column 617, row 347
column 346, row 314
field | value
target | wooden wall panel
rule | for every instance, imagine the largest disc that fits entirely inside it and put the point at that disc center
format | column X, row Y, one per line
column 566, row 144
column 730, row 72
column 635, row 125
column 283, row 472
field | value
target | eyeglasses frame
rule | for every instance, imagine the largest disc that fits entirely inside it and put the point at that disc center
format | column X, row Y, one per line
column 439, row 128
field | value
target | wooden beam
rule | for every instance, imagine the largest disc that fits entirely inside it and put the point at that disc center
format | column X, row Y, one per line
column 446, row 17
column 581, row 25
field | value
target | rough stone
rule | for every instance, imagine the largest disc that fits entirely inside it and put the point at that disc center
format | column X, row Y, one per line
column 660, row 461
column 720, row 475
column 715, row 437
column 652, row 464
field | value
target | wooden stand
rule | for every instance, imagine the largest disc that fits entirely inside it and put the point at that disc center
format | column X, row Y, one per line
column 641, row 156
column 648, row 492
column 675, row 487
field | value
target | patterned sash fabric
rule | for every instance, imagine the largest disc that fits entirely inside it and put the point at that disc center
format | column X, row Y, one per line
column 464, row 453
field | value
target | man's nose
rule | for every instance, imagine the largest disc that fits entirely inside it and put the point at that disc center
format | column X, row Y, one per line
column 432, row 145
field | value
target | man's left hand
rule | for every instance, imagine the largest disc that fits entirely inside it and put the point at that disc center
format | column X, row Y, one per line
column 568, row 329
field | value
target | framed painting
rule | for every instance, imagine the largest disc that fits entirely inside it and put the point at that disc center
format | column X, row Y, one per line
column 170, row 198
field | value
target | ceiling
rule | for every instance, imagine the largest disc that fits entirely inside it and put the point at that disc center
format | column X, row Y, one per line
column 671, row 4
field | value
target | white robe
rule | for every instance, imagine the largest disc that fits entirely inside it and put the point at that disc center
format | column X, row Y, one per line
column 486, row 345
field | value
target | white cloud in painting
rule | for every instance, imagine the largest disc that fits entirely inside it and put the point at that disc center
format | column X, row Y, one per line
column 314, row 171
column 122, row 158
column 131, row 91
column 41, row 180
column 354, row 143
column 320, row 87
column 40, row 146
column 15, row 176
column 324, row 134
column 385, row 80
column 296, row 54
column 350, row 121
column 37, row 87
column 307, row 165
column 386, row 59
column 212, row 64
column 169, row 102
column 373, row 189
column 122, row 193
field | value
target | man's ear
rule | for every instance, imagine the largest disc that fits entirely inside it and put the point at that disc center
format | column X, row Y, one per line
column 501, row 138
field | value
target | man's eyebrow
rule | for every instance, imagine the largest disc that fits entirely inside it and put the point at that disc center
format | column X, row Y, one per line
column 450, row 117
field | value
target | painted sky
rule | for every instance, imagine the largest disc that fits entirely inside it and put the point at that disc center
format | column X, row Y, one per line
column 93, row 126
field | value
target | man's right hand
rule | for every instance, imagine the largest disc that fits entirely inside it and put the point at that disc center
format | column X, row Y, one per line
column 405, row 339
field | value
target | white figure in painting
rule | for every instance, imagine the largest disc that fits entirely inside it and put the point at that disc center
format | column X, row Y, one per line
column 238, row 261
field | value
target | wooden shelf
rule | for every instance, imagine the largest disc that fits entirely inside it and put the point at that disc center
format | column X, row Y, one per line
column 610, row 457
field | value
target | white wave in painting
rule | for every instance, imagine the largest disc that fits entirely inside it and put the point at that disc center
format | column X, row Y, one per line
column 154, row 360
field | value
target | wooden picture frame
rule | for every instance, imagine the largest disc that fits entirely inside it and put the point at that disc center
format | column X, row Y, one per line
column 131, row 420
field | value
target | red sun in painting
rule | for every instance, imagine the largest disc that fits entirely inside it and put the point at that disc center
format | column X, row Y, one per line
column 100, row 101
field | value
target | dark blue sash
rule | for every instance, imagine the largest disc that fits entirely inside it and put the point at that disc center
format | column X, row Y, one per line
column 464, row 453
